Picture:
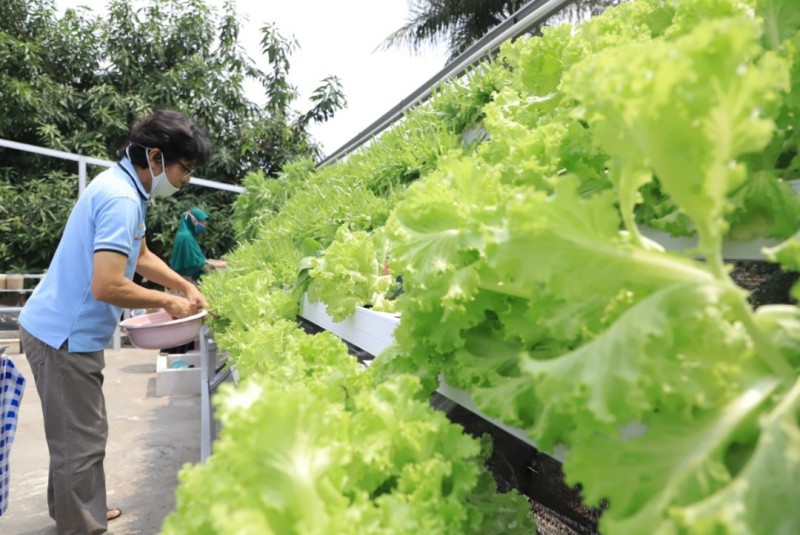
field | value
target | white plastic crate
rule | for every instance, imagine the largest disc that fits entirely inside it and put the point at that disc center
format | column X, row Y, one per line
column 178, row 381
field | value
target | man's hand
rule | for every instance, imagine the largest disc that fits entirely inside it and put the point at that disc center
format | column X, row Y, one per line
column 110, row 285
column 189, row 305
column 180, row 307
column 153, row 268
column 196, row 298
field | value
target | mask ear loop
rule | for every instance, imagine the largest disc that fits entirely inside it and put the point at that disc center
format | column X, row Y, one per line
column 132, row 144
column 160, row 153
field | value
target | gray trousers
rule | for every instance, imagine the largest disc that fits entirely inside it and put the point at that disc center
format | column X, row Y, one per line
column 70, row 386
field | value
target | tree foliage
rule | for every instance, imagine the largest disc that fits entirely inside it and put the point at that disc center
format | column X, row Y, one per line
column 76, row 82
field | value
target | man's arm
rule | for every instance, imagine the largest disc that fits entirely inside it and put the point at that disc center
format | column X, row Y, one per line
column 154, row 269
column 110, row 285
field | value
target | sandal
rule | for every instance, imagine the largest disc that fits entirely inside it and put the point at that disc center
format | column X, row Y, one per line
column 112, row 513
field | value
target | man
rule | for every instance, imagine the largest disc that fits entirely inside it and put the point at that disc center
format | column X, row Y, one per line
column 70, row 317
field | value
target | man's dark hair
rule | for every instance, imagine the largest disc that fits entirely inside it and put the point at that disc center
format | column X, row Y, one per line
column 174, row 133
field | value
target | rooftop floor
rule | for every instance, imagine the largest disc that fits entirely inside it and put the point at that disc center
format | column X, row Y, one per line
column 150, row 439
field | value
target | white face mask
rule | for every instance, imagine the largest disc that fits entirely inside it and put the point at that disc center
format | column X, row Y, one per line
column 161, row 186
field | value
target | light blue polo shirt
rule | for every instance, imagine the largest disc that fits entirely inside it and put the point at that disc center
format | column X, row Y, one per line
column 109, row 216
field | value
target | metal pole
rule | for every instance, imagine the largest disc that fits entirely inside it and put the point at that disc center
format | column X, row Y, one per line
column 205, row 397
column 117, row 339
column 81, row 175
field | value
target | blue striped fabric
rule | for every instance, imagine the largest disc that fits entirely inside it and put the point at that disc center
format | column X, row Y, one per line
column 12, row 385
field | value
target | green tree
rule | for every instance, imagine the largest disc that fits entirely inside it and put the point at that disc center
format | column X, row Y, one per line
column 76, row 83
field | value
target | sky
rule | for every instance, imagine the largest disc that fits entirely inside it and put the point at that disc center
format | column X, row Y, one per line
column 335, row 38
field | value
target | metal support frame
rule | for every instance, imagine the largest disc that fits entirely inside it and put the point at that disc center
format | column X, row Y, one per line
column 211, row 376
column 205, row 396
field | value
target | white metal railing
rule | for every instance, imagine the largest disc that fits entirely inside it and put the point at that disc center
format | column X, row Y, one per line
column 84, row 160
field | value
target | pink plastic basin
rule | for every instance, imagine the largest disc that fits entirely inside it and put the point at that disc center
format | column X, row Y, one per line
column 159, row 330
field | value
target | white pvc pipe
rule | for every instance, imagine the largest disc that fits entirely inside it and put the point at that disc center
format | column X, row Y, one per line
column 39, row 150
column 217, row 185
column 83, row 160
column 81, row 175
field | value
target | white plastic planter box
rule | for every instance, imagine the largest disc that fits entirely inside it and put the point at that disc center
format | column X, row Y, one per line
column 367, row 329
column 463, row 398
column 731, row 249
column 178, row 381
column 374, row 331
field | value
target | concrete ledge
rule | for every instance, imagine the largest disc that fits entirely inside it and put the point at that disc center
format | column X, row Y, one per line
column 11, row 339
